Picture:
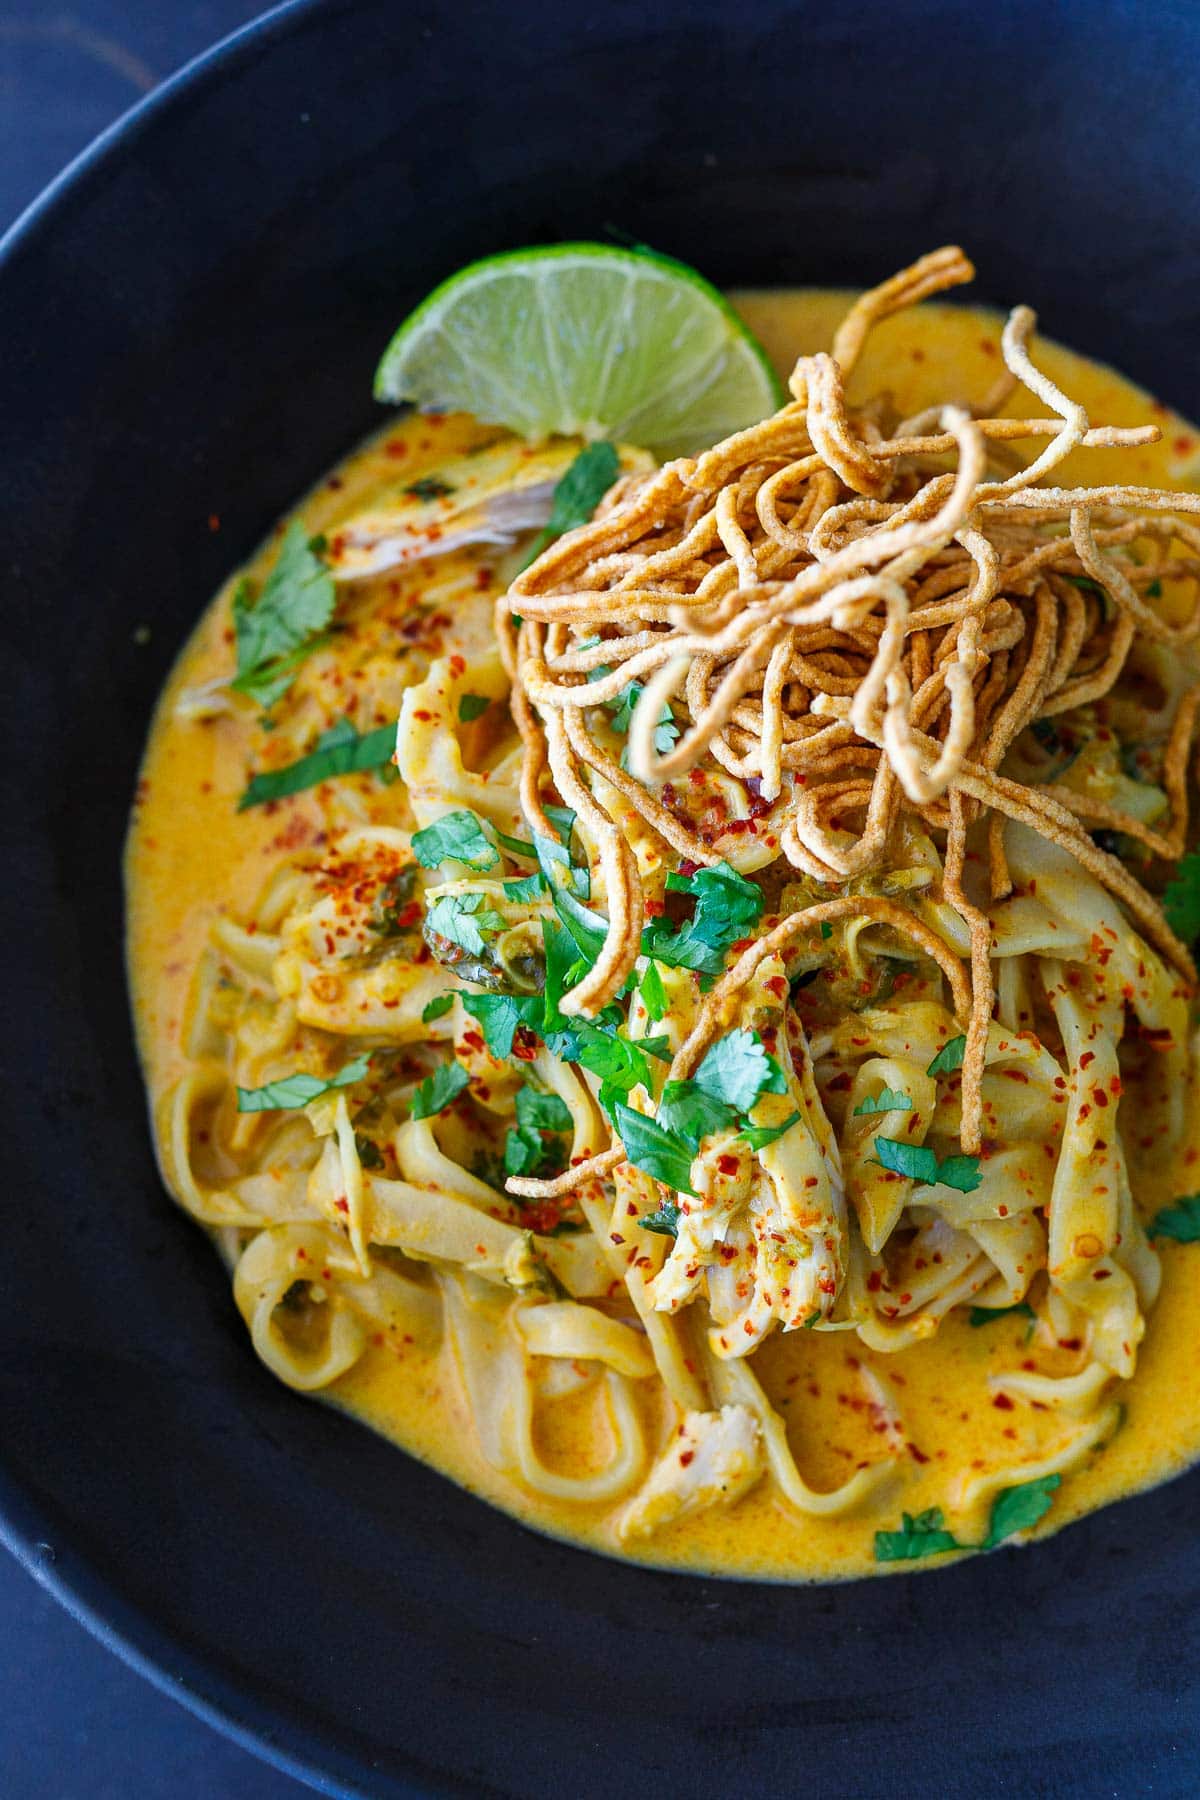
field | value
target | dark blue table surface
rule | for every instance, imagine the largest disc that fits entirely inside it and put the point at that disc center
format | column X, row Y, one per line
column 75, row 1723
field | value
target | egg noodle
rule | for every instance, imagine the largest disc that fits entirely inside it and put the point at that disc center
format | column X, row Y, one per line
column 801, row 966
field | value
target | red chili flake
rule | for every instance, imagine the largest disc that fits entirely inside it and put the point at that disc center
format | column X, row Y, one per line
column 1002, row 1402
column 727, row 1164
column 686, row 1457
column 342, row 1204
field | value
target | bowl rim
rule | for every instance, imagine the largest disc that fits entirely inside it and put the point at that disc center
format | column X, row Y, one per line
column 28, row 1528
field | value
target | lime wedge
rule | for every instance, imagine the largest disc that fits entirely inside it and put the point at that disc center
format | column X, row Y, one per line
column 586, row 341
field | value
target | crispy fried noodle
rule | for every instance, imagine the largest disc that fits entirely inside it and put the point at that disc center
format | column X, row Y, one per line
column 801, row 966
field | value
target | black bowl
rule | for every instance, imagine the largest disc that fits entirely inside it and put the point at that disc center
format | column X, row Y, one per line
column 190, row 321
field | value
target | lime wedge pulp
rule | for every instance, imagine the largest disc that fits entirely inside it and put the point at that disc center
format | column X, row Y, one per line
column 584, row 340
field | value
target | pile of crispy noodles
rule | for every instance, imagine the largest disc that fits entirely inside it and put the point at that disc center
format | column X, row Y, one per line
column 861, row 624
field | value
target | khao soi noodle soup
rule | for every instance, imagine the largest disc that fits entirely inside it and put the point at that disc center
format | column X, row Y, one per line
column 690, row 1034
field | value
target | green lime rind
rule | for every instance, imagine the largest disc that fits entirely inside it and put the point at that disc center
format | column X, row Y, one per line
column 584, row 340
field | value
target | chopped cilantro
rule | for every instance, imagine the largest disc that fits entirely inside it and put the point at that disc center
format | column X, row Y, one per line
column 438, row 1090
column 728, row 907
column 1181, row 1221
column 620, row 1062
column 826, row 929
column 458, row 837
column 276, row 632
column 529, row 887
column 889, row 1100
column 563, row 821
column 1017, row 1508
column 664, row 1221
column 920, row 1163
column 949, row 1057
column 814, row 1318
column 657, row 1152
column 516, row 846
column 1181, row 898
column 653, row 993
column 736, row 1069
column 526, row 1150
column 691, row 1114
column 297, row 1090
column 924, row 1535
column 587, row 929
column 1014, row 1509
column 759, row 1136
column 666, row 731
column 500, row 1014
column 472, row 707
column 548, row 1112
column 438, row 1007
column 429, row 487
column 578, row 494
column 462, row 919
column 339, row 751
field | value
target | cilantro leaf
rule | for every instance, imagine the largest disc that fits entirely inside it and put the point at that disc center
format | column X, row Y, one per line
column 692, row 1114
column 1181, row 898
column 961, row 1172
column 526, row 1149
column 297, row 1090
column 462, row 919
column 1181, row 1221
column 919, row 1163
column 620, row 1062
column 472, row 707
column 759, row 1136
column 587, row 928
column 736, row 1069
column 666, row 731
column 983, row 1315
column 276, row 632
column 1017, row 1508
column 438, row 1090
column 438, row 1007
column 547, row 1112
column 563, row 821
column 500, row 1014
column 664, row 1221
column 516, row 846
column 889, row 1100
column 456, row 836
column 653, row 993
column 529, row 887
column 657, row 1152
column 578, row 494
column 1014, row 1509
column 339, row 751
column 728, row 907
column 949, row 1057
column 924, row 1535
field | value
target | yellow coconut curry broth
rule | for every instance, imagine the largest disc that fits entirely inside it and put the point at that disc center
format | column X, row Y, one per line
column 198, row 869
